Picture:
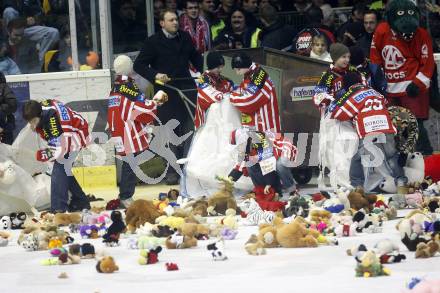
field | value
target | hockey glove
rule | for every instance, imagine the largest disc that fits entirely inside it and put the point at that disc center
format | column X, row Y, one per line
column 412, row 90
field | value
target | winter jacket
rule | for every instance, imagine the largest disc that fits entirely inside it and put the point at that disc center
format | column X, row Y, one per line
column 277, row 36
column 8, row 106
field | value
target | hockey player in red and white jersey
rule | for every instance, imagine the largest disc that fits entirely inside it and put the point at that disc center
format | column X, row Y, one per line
column 366, row 108
column 255, row 98
column 404, row 50
column 129, row 116
column 211, row 87
column 66, row 133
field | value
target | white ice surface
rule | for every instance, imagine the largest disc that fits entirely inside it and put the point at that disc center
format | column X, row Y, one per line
column 322, row 269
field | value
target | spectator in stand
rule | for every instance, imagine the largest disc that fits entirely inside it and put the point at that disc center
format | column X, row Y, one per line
column 357, row 15
column 166, row 55
column 327, row 12
column 172, row 5
column 275, row 34
column 128, row 32
column 8, row 106
column 319, row 49
column 302, row 43
column 236, row 34
column 275, row 3
column 371, row 19
column 300, row 6
column 207, row 10
column 250, row 7
column 23, row 32
column 196, row 26
column 7, row 65
column 159, row 6
column 225, row 9
column 353, row 33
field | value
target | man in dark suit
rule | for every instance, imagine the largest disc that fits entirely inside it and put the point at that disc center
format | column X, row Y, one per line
column 165, row 56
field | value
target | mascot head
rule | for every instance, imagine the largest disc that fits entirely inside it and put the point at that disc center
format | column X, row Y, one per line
column 7, row 172
column 403, row 17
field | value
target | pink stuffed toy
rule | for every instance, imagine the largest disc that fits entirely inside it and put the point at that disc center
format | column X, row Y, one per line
column 414, row 200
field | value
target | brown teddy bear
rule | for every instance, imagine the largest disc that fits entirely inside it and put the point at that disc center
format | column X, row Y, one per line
column 65, row 219
column 178, row 241
column 426, row 250
column 295, row 234
column 359, row 200
column 107, row 265
column 194, row 230
column 223, row 199
column 140, row 212
column 267, row 233
column 317, row 216
column 254, row 246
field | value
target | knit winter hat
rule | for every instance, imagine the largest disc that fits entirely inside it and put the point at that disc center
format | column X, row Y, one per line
column 214, row 60
column 357, row 56
column 337, row 50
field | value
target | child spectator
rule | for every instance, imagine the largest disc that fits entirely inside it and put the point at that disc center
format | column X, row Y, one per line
column 319, row 49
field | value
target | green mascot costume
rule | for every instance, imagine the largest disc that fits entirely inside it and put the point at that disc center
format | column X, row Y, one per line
column 404, row 50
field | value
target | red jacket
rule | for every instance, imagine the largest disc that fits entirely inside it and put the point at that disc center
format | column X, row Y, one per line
column 366, row 107
column 62, row 128
column 129, row 116
column 256, row 99
column 210, row 90
column 404, row 62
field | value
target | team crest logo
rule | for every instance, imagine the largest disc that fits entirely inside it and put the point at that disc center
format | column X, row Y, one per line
column 393, row 57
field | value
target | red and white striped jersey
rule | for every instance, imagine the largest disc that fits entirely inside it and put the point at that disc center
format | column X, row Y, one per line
column 403, row 61
column 366, row 108
column 256, row 99
column 331, row 83
column 129, row 117
column 210, row 88
column 62, row 127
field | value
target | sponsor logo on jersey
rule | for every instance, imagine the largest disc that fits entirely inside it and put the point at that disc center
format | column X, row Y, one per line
column 360, row 97
column 64, row 114
column 114, row 101
column 425, row 51
column 393, row 57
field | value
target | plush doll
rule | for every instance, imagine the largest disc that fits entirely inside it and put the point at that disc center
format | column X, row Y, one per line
column 368, row 223
column 55, row 243
column 228, row 233
column 149, row 242
column 139, row 212
column 65, row 219
column 297, row 206
column 254, row 214
column 107, row 265
column 370, row 266
column 418, row 285
column 267, row 201
column 346, row 229
column 223, row 199
column 149, row 257
column 4, row 238
column 426, row 250
column 111, row 237
column 85, row 250
column 431, row 167
column 295, row 235
column 359, row 200
column 388, row 252
column 91, row 232
column 170, row 266
column 267, row 233
column 414, row 200
column 254, row 246
column 17, row 220
column 216, row 250
column 163, row 231
column 229, row 221
column 199, row 231
column 30, row 242
column 172, row 222
column 146, row 229
column 178, row 241
column 5, row 223
column 317, row 216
